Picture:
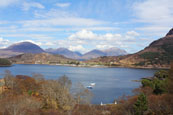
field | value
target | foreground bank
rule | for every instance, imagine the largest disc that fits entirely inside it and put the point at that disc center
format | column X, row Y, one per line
column 23, row 94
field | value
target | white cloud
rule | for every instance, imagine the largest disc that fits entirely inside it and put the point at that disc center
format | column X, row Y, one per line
column 39, row 39
column 158, row 14
column 62, row 5
column 104, row 46
column 27, row 5
column 4, row 42
column 83, row 34
column 5, row 3
column 37, row 43
column 79, row 48
column 102, row 41
column 56, row 17
column 155, row 11
column 132, row 33
column 3, row 22
column 49, row 44
column 84, row 40
column 89, row 35
column 66, row 21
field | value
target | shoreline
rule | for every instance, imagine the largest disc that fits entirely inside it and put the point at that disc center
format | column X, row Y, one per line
column 96, row 66
column 6, row 65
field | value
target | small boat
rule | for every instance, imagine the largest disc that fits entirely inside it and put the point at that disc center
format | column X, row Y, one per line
column 89, row 87
column 92, row 84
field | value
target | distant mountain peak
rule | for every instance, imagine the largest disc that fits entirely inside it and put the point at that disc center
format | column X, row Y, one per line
column 65, row 52
column 114, row 51
column 25, row 47
column 170, row 32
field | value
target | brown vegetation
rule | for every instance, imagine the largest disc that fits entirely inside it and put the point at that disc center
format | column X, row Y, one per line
column 34, row 95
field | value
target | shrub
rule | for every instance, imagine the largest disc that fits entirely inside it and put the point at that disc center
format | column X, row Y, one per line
column 146, row 82
column 4, row 62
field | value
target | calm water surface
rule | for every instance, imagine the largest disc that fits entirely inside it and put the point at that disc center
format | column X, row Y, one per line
column 110, row 82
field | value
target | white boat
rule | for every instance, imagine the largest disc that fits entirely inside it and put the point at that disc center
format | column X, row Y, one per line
column 92, row 84
column 89, row 87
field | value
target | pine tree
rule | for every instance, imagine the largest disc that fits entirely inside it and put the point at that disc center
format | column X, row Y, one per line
column 141, row 105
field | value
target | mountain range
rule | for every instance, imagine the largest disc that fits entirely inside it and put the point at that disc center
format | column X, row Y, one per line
column 89, row 55
column 65, row 52
column 28, row 47
column 158, row 54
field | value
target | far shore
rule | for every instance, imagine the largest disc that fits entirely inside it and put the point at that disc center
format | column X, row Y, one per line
column 98, row 66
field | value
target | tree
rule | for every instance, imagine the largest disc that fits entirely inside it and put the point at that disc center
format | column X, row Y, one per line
column 160, row 86
column 162, row 74
column 56, row 94
column 147, row 83
column 141, row 105
column 19, row 105
column 158, row 83
column 9, row 79
column 170, row 80
column 4, row 62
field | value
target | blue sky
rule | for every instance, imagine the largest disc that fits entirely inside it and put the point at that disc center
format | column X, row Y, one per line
column 82, row 25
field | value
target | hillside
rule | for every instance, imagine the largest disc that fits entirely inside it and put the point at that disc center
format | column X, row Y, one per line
column 8, row 53
column 25, row 47
column 42, row 58
column 20, row 48
column 158, row 54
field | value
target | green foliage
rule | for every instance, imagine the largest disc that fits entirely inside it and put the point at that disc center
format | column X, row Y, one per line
column 159, row 86
column 168, row 48
column 141, row 105
column 170, row 80
column 162, row 74
column 157, row 58
column 73, row 62
column 142, row 63
column 158, row 83
column 147, row 83
column 29, row 92
column 4, row 62
column 149, row 55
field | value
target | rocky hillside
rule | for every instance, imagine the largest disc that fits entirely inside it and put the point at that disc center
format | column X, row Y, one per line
column 42, row 58
column 158, row 54
column 8, row 53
